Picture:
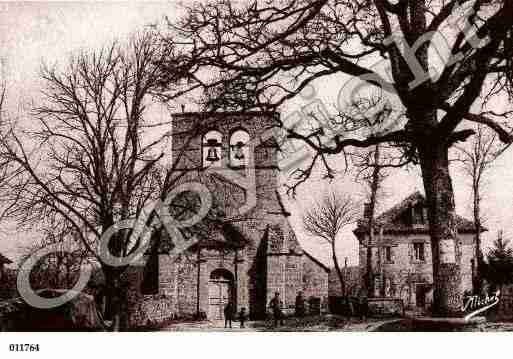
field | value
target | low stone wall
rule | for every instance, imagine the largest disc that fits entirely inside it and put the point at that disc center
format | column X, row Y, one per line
column 504, row 309
column 385, row 307
column 313, row 306
column 152, row 310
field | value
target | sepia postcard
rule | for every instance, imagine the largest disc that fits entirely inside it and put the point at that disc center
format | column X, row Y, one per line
column 256, row 166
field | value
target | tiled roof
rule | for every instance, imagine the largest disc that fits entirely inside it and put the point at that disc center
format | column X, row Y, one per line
column 213, row 236
column 4, row 260
column 316, row 261
column 391, row 220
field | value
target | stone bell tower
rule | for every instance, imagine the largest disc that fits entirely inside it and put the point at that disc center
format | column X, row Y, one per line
column 243, row 144
column 254, row 253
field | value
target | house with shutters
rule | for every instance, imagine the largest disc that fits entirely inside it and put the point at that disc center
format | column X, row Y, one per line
column 401, row 253
column 249, row 255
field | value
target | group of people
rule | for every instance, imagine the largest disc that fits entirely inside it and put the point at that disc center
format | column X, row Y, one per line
column 229, row 311
column 275, row 305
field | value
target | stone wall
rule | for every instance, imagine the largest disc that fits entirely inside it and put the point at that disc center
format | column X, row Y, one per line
column 147, row 309
column 504, row 310
column 315, row 281
column 352, row 279
column 385, row 307
column 267, row 211
column 284, row 276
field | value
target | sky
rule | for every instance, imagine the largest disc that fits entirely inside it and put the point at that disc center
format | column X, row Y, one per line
column 36, row 33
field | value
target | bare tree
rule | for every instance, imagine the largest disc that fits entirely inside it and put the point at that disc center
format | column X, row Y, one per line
column 90, row 158
column 3, row 89
column 266, row 54
column 8, row 170
column 2, row 100
column 476, row 160
column 60, row 268
column 326, row 219
column 371, row 171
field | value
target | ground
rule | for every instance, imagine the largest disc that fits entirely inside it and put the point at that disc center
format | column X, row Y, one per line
column 336, row 323
column 307, row 324
column 408, row 325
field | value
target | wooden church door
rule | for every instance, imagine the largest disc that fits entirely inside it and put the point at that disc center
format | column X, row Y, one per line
column 219, row 294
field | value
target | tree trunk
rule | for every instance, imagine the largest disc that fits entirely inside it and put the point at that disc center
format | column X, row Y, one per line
column 116, row 292
column 374, row 186
column 369, row 280
column 114, row 297
column 477, row 280
column 447, row 291
column 337, row 268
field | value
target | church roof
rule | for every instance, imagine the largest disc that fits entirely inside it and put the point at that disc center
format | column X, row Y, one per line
column 316, row 261
column 227, row 236
column 4, row 260
column 392, row 220
column 220, row 235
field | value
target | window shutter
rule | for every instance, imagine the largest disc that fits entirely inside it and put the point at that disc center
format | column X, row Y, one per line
column 375, row 259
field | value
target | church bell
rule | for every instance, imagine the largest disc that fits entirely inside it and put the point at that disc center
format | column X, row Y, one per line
column 212, row 155
column 238, row 152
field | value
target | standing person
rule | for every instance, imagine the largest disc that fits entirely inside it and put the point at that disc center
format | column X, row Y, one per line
column 276, row 305
column 242, row 316
column 228, row 314
column 300, row 305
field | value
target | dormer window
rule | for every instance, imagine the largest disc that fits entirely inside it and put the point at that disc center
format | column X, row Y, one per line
column 239, row 148
column 418, row 215
column 212, row 145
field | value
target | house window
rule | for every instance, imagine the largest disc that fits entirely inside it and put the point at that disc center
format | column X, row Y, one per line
column 418, row 248
column 388, row 254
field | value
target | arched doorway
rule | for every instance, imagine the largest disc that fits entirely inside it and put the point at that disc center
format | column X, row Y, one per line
column 220, row 292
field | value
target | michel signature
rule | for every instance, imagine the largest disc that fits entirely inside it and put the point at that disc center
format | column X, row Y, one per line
column 476, row 304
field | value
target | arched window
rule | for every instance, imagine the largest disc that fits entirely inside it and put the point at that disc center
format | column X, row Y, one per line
column 211, row 147
column 221, row 274
column 239, row 150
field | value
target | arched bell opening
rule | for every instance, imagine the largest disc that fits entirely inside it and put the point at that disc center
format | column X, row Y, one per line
column 239, row 147
column 212, row 149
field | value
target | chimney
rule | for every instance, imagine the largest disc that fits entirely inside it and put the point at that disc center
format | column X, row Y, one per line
column 366, row 210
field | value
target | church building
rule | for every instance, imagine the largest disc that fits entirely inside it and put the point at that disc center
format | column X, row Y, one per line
column 254, row 252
